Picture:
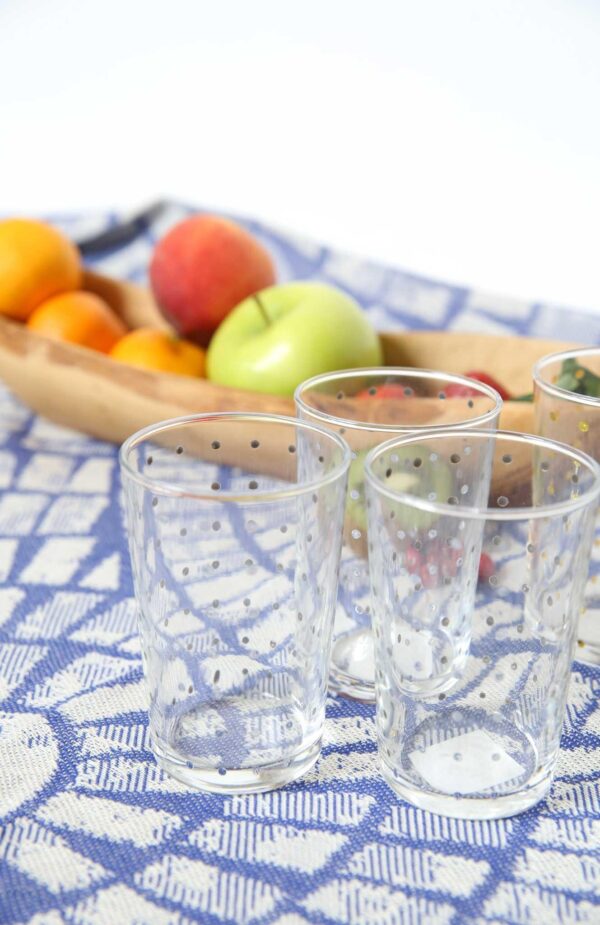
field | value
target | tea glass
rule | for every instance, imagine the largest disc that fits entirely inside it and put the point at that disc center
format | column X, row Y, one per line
column 475, row 604
column 366, row 407
column 235, row 527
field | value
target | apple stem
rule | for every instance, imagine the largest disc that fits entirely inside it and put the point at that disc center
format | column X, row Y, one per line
column 262, row 309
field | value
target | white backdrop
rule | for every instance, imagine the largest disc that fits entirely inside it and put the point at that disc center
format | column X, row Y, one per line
column 457, row 139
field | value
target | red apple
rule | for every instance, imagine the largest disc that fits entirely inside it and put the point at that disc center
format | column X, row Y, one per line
column 204, row 267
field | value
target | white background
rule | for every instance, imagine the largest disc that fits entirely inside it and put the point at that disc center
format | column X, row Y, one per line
column 456, row 138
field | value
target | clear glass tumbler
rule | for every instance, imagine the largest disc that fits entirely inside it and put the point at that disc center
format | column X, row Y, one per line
column 563, row 412
column 476, row 592
column 367, row 407
column 235, row 526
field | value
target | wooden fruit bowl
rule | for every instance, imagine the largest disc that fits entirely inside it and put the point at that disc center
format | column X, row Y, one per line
column 95, row 394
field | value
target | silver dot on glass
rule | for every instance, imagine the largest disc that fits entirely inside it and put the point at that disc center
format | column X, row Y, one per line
column 215, row 564
column 216, row 525
column 150, row 460
column 216, row 486
column 544, row 466
column 246, row 602
column 154, row 502
column 216, row 676
column 417, row 462
column 490, row 621
column 356, row 534
column 254, row 444
column 455, row 458
column 502, row 501
column 249, row 563
column 339, row 396
column 291, row 448
column 185, row 570
column 216, row 445
column 162, row 582
column 283, row 528
column 215, row 603
column 507, row 459
column 179, row 450
column 252, row 484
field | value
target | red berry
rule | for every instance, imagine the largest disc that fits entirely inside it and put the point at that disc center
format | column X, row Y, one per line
column 413, row 560
column 486, row 567
column 457, row 390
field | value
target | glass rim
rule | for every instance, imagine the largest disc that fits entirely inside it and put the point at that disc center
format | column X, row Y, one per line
column 166, row 488
column 415, row 373
column 560, row 356
column 485, row 513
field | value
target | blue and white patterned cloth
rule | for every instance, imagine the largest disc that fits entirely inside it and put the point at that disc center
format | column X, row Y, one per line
column 91, row 832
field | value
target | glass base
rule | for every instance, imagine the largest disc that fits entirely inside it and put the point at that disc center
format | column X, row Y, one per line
column 238, row 780
column 238, row 744
column 468, row 764
column 492, row 807
column 352, row 670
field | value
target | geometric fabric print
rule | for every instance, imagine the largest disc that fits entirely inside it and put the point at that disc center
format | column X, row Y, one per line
column 305, row 850
column 419, row 826
column 529, row 905
column 108, row 819
column 557, row 871
column 354, row 902
column 94, row 475
column 57, row 561
column 107, row 702
column 575, row 762
column 8, row 551
column 339, row 766
column 29, row 758
column 208, row 889
column 581, row 799
column 572, row 834
column 342, row 809
column 10, row 598
column 90, row 670
column 18, row 513
column 95, row 741
column 73, row 514
column 120, row 905
column 52, row 618
column 126, row 775
column 47, row 858
column 423, row 869
column 7, row 467
column 16, row 661
column 45, row 472
column 111, row 626
column 104, row 576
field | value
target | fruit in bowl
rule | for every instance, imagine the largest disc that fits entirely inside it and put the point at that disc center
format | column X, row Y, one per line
column 148, row 348
column 202, row 268
column 274, row 340
column 80, row 318
column 36, row 262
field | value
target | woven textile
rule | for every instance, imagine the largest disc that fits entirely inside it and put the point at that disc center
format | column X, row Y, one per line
column 91, row 832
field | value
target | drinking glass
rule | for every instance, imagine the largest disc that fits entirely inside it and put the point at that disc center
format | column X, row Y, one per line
column 235, row 525
column 574, row 418
column 368, row 406
column 476, row 593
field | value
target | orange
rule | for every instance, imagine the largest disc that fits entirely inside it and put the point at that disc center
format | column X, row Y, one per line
column 80, row 318
column 161, row 351
column 36, row 262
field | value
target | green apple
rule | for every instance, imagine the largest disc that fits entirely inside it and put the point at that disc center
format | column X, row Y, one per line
column 274, row 341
